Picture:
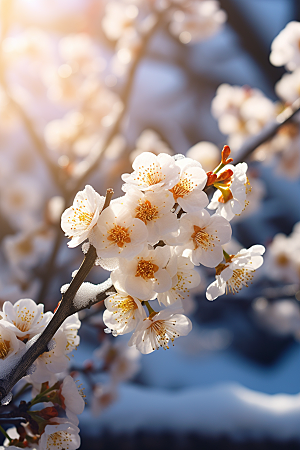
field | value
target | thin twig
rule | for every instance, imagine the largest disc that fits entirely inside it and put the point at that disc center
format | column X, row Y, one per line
column 66, row 308
column 268, row 132
column 46, row 279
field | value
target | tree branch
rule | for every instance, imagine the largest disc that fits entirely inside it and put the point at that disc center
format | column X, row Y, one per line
column 267, row 132
column 66, row 308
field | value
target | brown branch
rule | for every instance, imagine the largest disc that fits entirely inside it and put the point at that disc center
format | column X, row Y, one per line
column 66, row 308
column 267, row 132
column 46, row 279
column 125, row 96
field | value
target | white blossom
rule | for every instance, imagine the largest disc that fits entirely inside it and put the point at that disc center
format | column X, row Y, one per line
column 281, row 258
column 70, row 328
column 194, row 21
column 206, row 153
column 204, row 235
column 119, row 360
column 20, row 200
column 25, row 318
column 9, row 344
column 288, row 87
column 231, row 197
column 61, row 435
column 145, row 275
column 236, row 273
column 119, row 15
column 117, row 234
column 56, row 360
column 159, row 330
column 152, row 172
column 103, row 396
column 241, row 112
column 72, row 399
column 154, row 209
column 184, row 278
column 78, row 220
column 188, row 192
column 285, row 47
column 123, row 312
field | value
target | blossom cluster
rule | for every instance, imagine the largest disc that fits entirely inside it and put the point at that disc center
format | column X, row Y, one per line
column 282, row 257
column 20, row 325
column 242, row 111
column 156, row 234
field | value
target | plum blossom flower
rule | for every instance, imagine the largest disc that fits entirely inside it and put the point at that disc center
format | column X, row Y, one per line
column 145, row 275
column 20, row 200
column 25, row 318
column 152, row 172
column 188, row 192
column 103, row 396
column 72, row 399
column 117, row 234
column 195, row 21
column 78, row 220
column 120, row 361
column 159, row 329
column 206, row 153
column 241, row 112
column 61, row 435
column 204, row 235
column 51, row 362
column 123, row 312
column 281, row 260
column 236, row 273
column 285, row 47
column 119, row 15
column 231, row 196
column 56, row 360
column 184, row 278
column 70, row 328
column 288, row 87
column 154, row 209
column 9, row 344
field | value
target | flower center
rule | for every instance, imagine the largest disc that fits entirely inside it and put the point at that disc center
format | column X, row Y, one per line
column 80, row 219
column 125, row 309
column 163, row 333
column 226, row 195
column 119, row 235
column 282, row 260
column 184, row 187
column 239, row 278
column 4, row 348
column 59, row 440
column 146, row 212
column 146, row 269
column 201, row 238
column 24, row 319
column 150, row 175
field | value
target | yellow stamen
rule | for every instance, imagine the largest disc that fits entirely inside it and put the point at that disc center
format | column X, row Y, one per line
column 146, row 212
column 146, row 269
column 119, row 235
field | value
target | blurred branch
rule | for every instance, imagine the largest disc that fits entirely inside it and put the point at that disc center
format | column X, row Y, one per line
column 251, row 41
column 125, row 97
column 268, row 132
column 65, row 309
column 55, row 171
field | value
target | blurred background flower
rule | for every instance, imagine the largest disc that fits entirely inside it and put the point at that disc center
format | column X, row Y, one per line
column 86, row 86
